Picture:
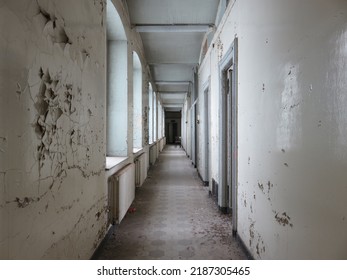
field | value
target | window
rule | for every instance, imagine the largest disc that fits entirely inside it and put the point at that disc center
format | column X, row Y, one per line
column 150, row 113
column 137, row 102
column 117, row 87
column 155, row 117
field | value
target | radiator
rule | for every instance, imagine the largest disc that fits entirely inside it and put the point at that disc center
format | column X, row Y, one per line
column 121, row 193
column 161, row 145
column 147, row 160
column 153, row 154
column 140, row 169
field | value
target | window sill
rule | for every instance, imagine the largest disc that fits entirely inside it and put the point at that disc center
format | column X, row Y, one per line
column 114, row 161
column 137, row 152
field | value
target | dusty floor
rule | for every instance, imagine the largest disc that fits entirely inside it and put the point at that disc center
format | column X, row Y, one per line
column 174, row 219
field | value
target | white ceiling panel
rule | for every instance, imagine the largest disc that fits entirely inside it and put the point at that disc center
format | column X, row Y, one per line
column 173, row 109
column 173, row 11
column 172, row 88
column 172, row 102
column 172, row 47
column 172, row 96
column 172, row 72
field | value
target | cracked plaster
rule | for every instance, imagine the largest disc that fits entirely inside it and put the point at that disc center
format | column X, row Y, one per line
column 53, row 145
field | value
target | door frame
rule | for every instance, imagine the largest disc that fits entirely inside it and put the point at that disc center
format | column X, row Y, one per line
column 207, row 132
column 227, row 200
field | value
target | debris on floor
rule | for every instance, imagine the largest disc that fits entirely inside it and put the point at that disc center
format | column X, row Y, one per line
column 178, row 218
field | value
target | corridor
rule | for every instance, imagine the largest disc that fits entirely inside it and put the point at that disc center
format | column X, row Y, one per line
column 172, row 218
column 252, row 92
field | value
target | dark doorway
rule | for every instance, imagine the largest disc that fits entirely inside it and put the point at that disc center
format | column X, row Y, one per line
column 173, row 127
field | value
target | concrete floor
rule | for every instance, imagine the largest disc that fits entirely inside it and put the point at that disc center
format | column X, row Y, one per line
column 174, row 219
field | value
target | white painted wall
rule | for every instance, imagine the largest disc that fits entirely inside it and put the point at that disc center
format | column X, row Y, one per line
column 292, row 124
column 204, row 82
column 52, row 128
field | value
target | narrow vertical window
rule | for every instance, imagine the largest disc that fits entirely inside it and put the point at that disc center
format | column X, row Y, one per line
column 117, row 89
column 150, row 113
column 137, row 101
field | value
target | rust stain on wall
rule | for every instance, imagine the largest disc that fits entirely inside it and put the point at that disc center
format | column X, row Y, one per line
column 260, row 247
column 283, row 219
column 261, row 187
column 256, row 241
column 265, row 189
column 251, row 233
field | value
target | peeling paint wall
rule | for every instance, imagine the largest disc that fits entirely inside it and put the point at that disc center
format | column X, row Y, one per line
column 52, row 129
column 292, row 124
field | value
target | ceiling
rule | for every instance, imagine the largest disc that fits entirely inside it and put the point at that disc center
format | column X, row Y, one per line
column 172, row 32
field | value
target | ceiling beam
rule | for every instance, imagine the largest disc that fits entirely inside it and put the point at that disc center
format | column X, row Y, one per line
column 178, row 105
column 172, row 63
column 171, row 92
column 199, row 28
column 161, row 83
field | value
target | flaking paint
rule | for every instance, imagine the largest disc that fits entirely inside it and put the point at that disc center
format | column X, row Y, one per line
column 52, row 112
column 291, row 110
